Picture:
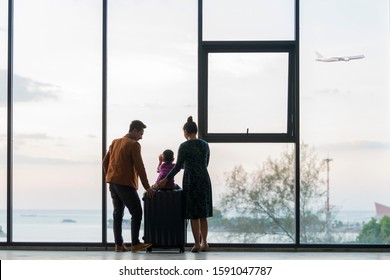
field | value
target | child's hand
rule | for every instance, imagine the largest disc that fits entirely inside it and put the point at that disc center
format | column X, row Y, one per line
column 162, row 183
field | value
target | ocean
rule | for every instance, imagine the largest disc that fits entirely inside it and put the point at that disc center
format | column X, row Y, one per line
column 86, row 226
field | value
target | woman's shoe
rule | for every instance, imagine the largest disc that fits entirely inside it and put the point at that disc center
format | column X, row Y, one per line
column 204, row 248
column 195, row 249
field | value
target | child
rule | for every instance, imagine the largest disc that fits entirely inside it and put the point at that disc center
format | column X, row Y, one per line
column 164, row 167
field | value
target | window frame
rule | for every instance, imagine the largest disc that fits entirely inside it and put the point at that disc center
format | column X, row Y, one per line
column 207, row 47
column 204, row 47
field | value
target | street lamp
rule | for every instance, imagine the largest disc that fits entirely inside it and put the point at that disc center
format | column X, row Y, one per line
column 327, row 206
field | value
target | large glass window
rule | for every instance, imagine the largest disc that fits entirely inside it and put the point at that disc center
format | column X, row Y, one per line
column 247, row 92
column 152, row 76
column 248, row 20
column 253, row 193
column 57, row 121
column 3, row 117
column 345, row 118
column 247, row 85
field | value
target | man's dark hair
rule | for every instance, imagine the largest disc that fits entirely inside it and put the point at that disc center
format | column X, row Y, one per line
column 138, row 125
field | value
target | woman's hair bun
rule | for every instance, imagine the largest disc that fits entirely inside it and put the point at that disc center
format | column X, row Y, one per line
column 190, row 126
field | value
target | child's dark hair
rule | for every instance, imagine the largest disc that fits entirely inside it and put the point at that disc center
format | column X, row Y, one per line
column 190, row 126
column 168, row 155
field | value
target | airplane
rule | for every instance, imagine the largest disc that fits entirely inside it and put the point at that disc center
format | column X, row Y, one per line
column 337, row 58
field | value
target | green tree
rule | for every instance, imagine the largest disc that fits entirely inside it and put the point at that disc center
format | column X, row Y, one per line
column 268, row 194
column 375, row 232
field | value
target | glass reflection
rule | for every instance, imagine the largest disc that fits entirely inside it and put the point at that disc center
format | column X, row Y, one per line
column 345, row 116
column 57, row 121
column 152, row 77
column 3, row 117
column 253, row 193
column 247, row 92
column 249, row 20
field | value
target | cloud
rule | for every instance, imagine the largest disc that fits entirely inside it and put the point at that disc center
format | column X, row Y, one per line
column 27, row 90
column 40, row 139
column 23, row 159
column 29, row 136
column 333, row 92
column 357, row 145
column 22, row 137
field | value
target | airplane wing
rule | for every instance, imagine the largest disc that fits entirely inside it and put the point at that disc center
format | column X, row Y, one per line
column 328, row 59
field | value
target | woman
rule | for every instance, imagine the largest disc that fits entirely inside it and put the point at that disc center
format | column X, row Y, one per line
column 193, row 156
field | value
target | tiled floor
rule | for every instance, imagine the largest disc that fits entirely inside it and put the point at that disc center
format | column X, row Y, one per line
column 173, row 255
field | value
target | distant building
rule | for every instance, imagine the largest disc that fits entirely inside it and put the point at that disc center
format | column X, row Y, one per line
column 382, row 210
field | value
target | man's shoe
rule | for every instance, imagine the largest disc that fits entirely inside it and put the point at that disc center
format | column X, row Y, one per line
column 140, row 246
column 121, row 248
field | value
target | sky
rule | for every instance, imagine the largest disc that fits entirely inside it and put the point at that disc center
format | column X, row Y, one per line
column 152, row 76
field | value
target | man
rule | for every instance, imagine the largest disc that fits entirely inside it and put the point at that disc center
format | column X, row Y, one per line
column 123, row 165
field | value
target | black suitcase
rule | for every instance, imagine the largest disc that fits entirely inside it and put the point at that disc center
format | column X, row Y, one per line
column 164, row 223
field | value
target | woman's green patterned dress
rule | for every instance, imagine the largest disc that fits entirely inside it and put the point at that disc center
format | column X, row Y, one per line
column 194, row 157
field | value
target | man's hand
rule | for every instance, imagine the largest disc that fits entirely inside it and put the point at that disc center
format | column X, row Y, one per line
column 150, row 192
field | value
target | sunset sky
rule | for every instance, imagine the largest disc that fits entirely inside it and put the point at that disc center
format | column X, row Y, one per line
column 152, row 76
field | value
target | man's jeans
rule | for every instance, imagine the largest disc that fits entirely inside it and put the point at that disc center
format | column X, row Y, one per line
column 125, row 196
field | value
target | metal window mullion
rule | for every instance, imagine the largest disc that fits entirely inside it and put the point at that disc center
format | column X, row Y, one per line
column 280, row 45
column 297, row 131
column 202, row 74
column 104, row 118
column 10, row 121
column 249, row 138
column 291, row 94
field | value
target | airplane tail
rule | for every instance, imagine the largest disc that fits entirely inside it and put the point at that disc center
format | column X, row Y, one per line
column 319, row 55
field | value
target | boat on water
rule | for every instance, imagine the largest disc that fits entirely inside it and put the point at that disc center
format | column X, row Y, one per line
column 382, row 210
column 68, row 221
column 126, row 223
column 2, row 233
